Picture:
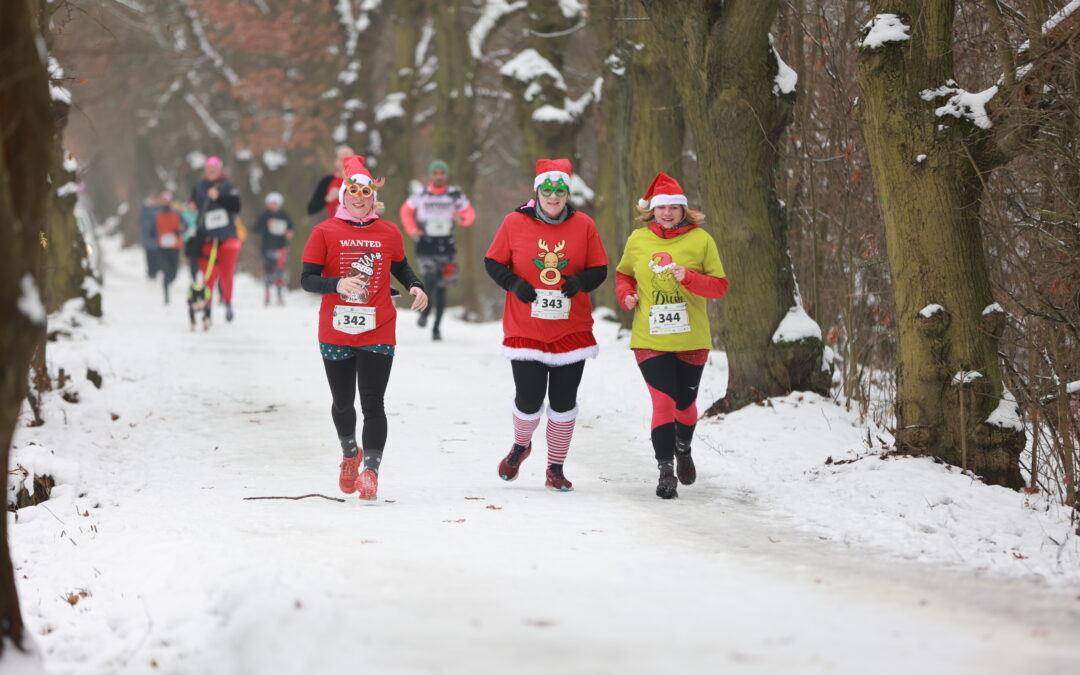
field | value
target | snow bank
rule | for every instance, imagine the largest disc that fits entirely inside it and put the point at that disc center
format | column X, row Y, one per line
column 885, row 28
column 804, row 458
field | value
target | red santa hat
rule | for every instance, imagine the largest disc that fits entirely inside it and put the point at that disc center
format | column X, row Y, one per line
column 662, row 191
column 355, row 172
column 553, row 169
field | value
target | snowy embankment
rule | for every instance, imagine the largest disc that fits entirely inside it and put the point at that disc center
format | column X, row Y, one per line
column 148, row 558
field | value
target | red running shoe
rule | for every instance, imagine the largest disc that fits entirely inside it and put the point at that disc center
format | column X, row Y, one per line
column 556, row 480
column 368, row 485
column 508, row 467
column 349, row 468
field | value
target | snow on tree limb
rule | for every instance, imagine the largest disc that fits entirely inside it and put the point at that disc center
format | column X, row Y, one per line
column 1060, row 16
column 962, row 103
column 885, row 28
column 205, row 47
column 494, row 12
column 786, row 77
column 207, row 119
column 529, row 66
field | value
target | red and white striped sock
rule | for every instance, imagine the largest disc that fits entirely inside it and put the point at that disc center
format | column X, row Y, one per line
column 525, row 425
column 560, row 429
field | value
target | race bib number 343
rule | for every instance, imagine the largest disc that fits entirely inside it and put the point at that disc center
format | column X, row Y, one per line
column 668, row 319
column 354, row 320
column 550, row 305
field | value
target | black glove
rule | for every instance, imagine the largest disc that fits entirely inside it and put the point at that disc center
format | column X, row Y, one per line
column 571, row 286
column 524, row 291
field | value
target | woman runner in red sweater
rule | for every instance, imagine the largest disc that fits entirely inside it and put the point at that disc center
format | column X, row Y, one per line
column 349, row 259
column 547, row 257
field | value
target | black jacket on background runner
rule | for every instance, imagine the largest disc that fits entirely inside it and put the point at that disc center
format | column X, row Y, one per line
column 270, row 222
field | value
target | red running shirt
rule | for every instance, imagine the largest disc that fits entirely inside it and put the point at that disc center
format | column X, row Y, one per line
column 346, row 250
column 542, row 254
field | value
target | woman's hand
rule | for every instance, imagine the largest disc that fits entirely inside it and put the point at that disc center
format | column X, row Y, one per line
column 679, row 272
column 213, row 193
column 630, row 301
column 419, row 302
column 349, row 286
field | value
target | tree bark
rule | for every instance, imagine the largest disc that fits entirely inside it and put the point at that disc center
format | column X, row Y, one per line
column 641, row 128
column 948, row 374
column 724, row 69
column 545, row 137
column 395, row 161
column 25, row 151
column 454, row 135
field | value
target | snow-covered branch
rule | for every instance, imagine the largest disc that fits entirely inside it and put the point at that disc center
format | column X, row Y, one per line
column 494, row 12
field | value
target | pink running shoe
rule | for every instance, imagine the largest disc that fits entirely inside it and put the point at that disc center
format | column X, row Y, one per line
column 556, row 480
column 508, row 467
column 368, row 485
column 350, row 466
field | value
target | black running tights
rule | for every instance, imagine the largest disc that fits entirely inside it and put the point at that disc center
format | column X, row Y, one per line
column 368, row 373
column 532, row 379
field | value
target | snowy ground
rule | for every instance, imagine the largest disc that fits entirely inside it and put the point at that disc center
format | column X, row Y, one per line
column 149, row 560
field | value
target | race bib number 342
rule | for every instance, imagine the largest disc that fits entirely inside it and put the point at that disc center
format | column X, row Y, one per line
column 354, row 320
column 668, row 319
column 550, row 305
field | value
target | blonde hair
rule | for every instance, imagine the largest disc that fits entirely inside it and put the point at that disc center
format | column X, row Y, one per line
column 692, row 216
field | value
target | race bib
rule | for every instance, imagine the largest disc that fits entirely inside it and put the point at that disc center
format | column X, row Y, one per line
column 550, row 305
column 169, row 240
column 354, row 320
column 277, row 227
column 216, row 219
column 667, row 319
column 438, row 227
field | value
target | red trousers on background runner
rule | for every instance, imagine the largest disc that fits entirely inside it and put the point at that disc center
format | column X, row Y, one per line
column 224, row 266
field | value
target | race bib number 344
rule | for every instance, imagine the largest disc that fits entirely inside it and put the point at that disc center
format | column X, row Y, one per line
column 550, row 305
column 354, row 320
column 668, row 319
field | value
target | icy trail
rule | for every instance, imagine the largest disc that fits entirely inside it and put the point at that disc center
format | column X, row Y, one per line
column 452, row 570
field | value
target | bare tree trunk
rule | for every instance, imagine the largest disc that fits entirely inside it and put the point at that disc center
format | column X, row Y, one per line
column 641, row 128
column 929, row 187
column 26, row 143
column 394, row 115
column 454, row 136
column 549, row 120
column 725, row 70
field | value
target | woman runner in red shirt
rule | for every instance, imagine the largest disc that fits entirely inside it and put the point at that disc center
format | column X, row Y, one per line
column 548, row 257
column 349, row 259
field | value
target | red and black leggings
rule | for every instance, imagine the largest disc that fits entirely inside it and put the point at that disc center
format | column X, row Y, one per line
column 672, row 378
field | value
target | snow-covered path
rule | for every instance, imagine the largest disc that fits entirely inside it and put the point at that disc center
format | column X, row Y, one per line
column 452, row 570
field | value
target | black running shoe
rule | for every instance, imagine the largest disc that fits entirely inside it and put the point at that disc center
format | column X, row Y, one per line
column 666, row 487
